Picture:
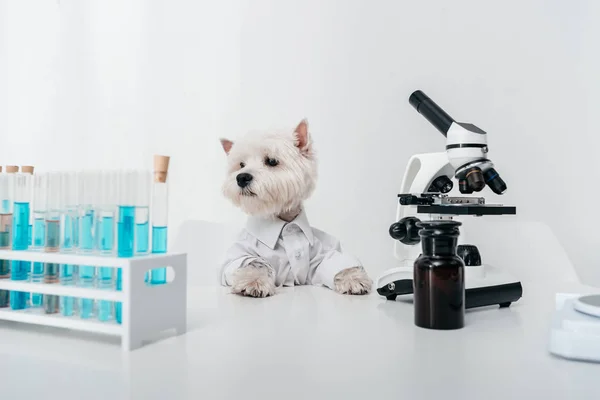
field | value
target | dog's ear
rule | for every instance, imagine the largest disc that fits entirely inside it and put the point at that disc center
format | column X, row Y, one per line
column 227, row 145
column 302, row 135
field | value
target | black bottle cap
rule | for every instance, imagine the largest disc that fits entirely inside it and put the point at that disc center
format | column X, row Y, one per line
column 439, row 228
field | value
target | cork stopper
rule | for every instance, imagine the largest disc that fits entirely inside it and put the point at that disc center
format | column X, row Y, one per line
column 11, row 169
column 27, row 169
column 161, row 168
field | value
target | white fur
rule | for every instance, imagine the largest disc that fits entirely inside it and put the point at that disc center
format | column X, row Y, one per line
column 277, row 189
column 277, row 192
column 254, row 280
column 352, row 281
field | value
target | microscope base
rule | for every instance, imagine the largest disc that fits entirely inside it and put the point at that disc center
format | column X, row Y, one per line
column 484, row 286
column 573, row 334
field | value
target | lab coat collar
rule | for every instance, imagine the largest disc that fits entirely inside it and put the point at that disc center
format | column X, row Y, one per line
column 268, row 230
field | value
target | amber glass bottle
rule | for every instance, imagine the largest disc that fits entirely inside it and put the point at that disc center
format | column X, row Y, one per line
column 439, row 277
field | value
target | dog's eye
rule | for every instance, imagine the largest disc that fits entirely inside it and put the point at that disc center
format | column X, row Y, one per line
column 242, row 165
column 271, row 162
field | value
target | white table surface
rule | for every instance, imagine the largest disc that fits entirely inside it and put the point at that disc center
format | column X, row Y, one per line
column 303, row 343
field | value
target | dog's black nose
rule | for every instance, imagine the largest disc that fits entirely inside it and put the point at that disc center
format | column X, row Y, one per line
column 243, row 179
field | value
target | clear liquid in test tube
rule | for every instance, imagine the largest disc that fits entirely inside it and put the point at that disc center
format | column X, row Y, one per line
column 69, row 237
column 142, row 213
column 40, row 191
column 5, row 233
column 106, row 216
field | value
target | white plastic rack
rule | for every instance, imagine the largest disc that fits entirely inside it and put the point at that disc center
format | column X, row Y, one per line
column 147, row 310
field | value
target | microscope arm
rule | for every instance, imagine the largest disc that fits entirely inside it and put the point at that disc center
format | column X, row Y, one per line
column 422, row 170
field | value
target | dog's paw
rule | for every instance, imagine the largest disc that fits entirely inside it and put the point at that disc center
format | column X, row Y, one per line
column 254, row 280
column 353, row 281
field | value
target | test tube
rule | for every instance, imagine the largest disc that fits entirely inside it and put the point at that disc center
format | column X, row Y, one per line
column 125, row 226
column 105, row 234
column 21, row 211
column 88, row 185
column 53, row 216
column 40, row 188
column 160, row 197
column 142, row 213
column 28, row 169
column 5, row 233
column 69, row 223
column 69, row 237
column 53, row 213
column 20, row 236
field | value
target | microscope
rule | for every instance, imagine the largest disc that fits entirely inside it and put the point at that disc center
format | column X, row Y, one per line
column 425, row 190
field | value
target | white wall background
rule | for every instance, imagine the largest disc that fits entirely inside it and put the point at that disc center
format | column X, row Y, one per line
column 109, row 83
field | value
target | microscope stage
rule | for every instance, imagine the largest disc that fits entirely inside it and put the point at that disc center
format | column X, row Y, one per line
column 468, row 209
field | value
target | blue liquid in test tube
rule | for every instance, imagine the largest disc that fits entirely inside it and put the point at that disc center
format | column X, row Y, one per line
column 105, row 238
column 54, row 232
column 87, row 274
column 68, row 272
column 37, row 273
column 67, row 277
column 159, row 246
column 20, row 269
column 4, row 264
column 128, row 186
column 38, row 231
column 105, row 274
column 21, row 226
column 5, row 232
column 126, row 232
column 126, row 239
column 142, row 237
column 88, row 190
column 52, row 270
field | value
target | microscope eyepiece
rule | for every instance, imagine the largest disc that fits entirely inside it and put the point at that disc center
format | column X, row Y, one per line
column 493, row 180
column 431, row 111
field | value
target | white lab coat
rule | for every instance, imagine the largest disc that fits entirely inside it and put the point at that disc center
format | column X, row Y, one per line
column 299, row 254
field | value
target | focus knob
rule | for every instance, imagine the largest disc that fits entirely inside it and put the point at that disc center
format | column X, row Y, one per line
column 441, row 184
column 398, row 231
column 406, row 230
column 469, row 254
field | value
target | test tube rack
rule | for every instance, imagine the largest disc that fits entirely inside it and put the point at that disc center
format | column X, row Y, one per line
column 148, row 310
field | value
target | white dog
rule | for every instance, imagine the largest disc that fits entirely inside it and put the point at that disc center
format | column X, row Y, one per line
column 269, row 176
